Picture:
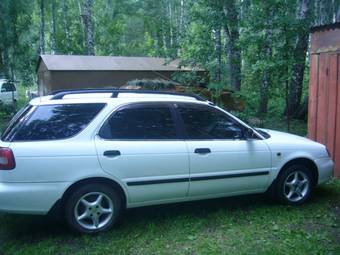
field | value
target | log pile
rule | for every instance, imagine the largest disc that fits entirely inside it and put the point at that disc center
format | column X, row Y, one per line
column 225, row 98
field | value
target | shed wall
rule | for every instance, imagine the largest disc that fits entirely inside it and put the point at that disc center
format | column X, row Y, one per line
column 60, row 80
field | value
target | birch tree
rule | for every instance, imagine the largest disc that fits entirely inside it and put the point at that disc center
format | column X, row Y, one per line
column 232, row 35
column 88, row 26
column 42, row 28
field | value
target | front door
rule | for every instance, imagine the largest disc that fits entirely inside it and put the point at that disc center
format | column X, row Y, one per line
column 139, row 145
column 221, row 160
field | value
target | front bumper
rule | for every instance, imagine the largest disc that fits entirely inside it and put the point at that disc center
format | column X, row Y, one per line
column 325, row 169
column 30, row 198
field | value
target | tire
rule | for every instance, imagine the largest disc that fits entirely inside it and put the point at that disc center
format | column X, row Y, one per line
column 294, row 185
column 93, row 208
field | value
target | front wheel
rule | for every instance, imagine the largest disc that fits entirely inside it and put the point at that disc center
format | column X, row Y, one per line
column 294, row 185
column 93, row 208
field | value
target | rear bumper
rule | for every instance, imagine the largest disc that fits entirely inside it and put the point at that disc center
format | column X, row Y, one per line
column 30, row 198
column 325, row 168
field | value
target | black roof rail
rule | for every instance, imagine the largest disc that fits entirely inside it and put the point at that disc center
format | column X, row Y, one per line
column 115, row 92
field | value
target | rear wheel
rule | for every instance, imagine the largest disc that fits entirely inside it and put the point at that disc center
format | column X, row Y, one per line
column 93, row 208
column 294, row 185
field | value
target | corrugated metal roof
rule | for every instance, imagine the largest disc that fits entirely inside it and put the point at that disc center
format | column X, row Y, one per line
column 106, row 63
column 325, row 27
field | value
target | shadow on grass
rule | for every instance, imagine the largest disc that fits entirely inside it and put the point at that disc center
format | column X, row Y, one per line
column 22, row 229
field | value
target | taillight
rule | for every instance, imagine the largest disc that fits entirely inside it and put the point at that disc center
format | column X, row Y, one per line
column 7, row 160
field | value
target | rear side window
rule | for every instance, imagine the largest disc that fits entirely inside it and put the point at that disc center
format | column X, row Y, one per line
column 51, row 122
column 140, row 123
column 15, row 122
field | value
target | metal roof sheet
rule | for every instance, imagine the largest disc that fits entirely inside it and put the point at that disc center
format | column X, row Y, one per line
column 107, row 63
column 330, row 26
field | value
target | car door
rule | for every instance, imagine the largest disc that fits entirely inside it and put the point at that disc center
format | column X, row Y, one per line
column 139, row 145
column 221, row 160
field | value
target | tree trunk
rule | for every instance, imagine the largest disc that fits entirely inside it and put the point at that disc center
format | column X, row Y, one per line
column 5, row 62
column 42, row 27
column 54, row 29
column 66, row 28
column 231, row 28
column 180, row 29
column 326, row 12
column 336, row 10
column 170, row 24
column 181, row 19
column 300, row 51
column 88, row 26
column 218, row 50
column 303, row 111
column 264, row 87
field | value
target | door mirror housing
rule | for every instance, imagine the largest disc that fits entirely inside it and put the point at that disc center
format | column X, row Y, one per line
column 248, row 134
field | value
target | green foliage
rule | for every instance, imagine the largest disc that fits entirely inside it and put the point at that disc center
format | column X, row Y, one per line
column 182, row 29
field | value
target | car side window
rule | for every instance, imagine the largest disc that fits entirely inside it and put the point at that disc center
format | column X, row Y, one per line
column 140, row 122
column 204, row 123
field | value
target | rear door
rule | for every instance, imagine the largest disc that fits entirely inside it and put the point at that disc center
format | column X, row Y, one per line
column 139, row 144
column 222, row 161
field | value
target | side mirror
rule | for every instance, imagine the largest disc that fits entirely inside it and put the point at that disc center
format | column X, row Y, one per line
column 248, row 133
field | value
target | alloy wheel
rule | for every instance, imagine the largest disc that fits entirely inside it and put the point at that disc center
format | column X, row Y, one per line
column 296, row 186
column 94, row 210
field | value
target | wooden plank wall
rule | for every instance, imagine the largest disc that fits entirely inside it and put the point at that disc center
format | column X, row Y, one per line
column 324, row 103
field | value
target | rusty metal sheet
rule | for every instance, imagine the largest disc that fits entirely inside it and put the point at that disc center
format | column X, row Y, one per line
column 322, row 99
column 337, row 127
column 313, row 92
column 332, row 103
column 325, row 41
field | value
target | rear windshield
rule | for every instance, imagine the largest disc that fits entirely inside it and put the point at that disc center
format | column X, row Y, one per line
column 51, row 122
column 8, row 87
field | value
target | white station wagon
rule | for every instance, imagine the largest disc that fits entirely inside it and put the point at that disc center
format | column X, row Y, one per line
column 93, row 153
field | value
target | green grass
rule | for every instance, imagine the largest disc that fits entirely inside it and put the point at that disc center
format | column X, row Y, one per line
column 240, row 225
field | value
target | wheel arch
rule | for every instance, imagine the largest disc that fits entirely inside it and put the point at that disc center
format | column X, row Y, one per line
column 298, row 160
column 100, row 180
column 303, row 161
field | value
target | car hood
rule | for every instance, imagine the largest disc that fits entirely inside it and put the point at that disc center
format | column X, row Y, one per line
column 280, row 141
column 285, row 137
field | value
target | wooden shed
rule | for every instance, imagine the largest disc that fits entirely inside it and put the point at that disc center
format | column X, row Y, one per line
column 57, row 72
column 324, row 89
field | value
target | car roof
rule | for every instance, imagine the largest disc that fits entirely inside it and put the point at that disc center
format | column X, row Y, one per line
column 115, row 96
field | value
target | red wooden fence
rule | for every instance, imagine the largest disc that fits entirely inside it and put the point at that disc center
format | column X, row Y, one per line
column 324, row 90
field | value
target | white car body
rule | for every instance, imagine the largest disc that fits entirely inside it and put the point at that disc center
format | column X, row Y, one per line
column 8, row 93
column 170, row 170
